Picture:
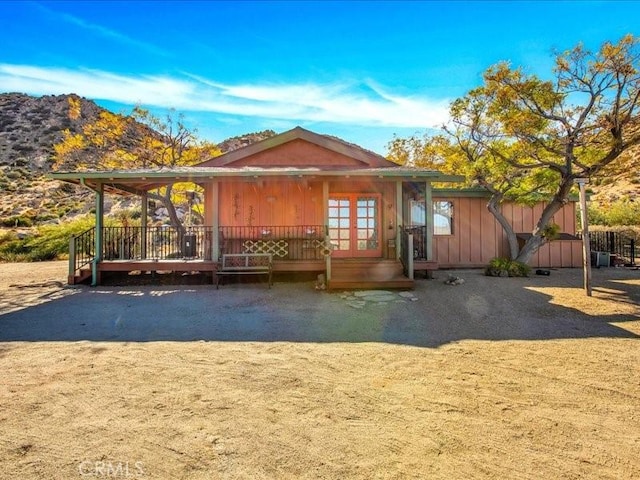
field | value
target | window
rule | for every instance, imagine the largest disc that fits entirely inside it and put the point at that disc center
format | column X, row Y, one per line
column 417, row 212
column 442, row 218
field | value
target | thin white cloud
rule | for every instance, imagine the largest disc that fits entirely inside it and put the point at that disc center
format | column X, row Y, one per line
column 364, row 104
column 104, row 31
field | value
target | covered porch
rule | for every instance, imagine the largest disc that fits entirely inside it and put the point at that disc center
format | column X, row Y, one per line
column 352, row 226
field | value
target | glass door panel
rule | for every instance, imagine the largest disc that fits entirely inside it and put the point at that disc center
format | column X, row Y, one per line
column 340, row 225
column 367, row 226
column 354, row 225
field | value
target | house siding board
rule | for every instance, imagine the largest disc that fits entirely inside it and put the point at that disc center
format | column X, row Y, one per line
column 297, row 153
column 270, row 203
column 478, row 237
column 464, row 227
column 490, row 234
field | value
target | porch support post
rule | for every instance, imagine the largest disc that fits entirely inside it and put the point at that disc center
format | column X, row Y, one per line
column 215, row 220
column 428, row 199
column 99, row 234
column 325, row 203
column 143, row 225
column 399, row 223
column 325, row 222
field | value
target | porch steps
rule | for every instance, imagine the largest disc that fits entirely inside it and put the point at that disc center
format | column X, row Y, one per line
column 351, row 274
column 81, row 276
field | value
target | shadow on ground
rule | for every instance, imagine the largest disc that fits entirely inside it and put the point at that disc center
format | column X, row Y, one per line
column 483, row 308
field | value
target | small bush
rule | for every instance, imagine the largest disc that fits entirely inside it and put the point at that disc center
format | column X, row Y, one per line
column 17, row 221
column 503, row 267
column 47, row 243
column 519, row 269
column 551, row 231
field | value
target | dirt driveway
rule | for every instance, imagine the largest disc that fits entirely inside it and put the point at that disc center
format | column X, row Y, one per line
column 496, row 378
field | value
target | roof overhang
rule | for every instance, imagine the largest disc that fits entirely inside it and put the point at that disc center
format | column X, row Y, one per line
column 138, row 182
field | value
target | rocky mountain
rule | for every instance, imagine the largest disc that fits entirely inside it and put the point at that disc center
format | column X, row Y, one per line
column 29, row 128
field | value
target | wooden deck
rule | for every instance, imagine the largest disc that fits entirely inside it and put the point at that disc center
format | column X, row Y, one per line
column 346, row 274
column 149, row 265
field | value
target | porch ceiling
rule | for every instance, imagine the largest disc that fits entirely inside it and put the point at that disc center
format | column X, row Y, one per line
column 139, row 181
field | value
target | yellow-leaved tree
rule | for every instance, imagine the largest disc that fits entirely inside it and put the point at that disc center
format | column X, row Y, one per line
column 525, row 139
column 136, row 141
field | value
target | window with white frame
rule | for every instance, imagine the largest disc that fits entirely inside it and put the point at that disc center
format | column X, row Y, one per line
column 442, row 217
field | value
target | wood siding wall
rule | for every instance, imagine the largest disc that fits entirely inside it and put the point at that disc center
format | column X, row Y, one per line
column 478, row 237
column 269, row 202
column 287, row 202
column 298, row 153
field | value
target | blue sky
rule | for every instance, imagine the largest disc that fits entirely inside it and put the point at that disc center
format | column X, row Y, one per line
column 362, row 71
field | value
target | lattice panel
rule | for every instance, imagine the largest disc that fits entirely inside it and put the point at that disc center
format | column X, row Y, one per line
column 323, row 246
column 277, row 248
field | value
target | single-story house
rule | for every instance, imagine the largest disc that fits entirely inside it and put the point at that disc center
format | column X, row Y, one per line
column 316, row 204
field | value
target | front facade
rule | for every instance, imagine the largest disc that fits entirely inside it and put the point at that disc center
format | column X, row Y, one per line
column 316, row 203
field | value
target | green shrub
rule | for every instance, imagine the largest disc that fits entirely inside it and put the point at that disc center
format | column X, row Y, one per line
column 503, row 267
column 618, row 213
column 46, row 243
column 519, row 269
column 17, row 221
column 551, row 231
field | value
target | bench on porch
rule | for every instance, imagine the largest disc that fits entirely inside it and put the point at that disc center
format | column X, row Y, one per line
column 245, row 264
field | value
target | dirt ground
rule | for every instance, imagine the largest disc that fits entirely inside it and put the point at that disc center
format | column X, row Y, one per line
column 492, row 379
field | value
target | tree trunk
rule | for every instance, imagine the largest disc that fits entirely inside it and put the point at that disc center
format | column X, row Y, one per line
column 531, row 246
column 494, row 207
column 538, row 239
column 171, row 209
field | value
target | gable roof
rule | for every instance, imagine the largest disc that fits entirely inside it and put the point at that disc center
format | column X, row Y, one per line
column 367, row 158
column 358, row 163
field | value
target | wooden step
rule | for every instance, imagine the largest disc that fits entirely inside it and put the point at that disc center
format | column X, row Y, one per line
column 369, row 274
column 81, row 276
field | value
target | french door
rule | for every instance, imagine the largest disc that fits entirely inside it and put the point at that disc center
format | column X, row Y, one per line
column 354, row 225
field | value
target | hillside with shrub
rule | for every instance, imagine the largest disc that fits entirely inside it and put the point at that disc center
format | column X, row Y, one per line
column 29, row 129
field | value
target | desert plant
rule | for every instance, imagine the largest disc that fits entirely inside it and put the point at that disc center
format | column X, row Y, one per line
column 551, row 231
column 48, row 242
column 504, row 267
column 620, row 212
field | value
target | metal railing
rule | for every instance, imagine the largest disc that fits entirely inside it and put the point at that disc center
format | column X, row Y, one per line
column 419, row 233
column 81, row 250
column 302, row 242
column 617, row 243
column 157, row 243
column 295, row 242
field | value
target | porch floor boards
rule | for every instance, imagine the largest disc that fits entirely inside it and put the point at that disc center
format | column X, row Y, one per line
column 346, row 274
column 150, row 265
column 350, row 274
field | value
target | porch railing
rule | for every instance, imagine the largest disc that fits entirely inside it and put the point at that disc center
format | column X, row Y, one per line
column 617, row 243
column 81, row 250
column 419, row 233
column 305, row 242
column 157, row 243
column 297, row 242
